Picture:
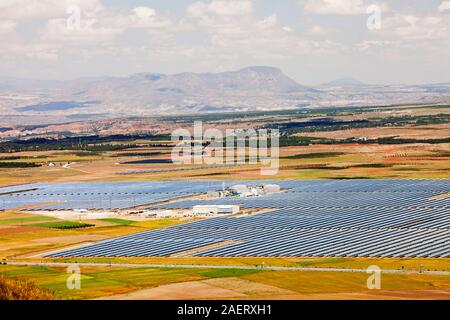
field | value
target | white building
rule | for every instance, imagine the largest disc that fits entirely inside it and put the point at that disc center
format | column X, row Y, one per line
column 215, row 209
column 269, row 188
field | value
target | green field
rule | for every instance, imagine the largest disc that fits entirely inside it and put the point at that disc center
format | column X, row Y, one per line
column 105, row 281
column 25, row 220
column 64, row 225
column 121, row 222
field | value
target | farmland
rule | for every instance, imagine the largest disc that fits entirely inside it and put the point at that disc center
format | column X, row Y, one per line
column 142, row 283
column 21, row 242
column 409, row 144
column 332, row 146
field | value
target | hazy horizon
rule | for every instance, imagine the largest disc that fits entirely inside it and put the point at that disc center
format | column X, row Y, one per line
column 216, row 72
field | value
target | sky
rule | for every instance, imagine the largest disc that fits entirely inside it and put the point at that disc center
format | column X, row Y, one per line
column 312, row 41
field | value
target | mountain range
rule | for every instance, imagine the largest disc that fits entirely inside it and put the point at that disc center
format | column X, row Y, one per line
column 249, row 89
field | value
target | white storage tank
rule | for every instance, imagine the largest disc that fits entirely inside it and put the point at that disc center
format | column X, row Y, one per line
column 239, row 188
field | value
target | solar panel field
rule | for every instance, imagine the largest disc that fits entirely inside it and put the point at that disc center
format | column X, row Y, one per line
column 316, row 218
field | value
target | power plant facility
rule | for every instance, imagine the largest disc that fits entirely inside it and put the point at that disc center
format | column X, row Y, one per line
column 245, row 190
column 215, row 209
column 283, row 218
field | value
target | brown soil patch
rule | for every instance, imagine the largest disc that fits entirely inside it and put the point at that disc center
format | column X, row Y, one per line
column 419, row 132
column 441, row 196
column 15, row 245
column 4, row 230
column 248, row 287
column 375, row 295
column 424, row 294
column 179, row 291
column 71, row 239
column 235, row 288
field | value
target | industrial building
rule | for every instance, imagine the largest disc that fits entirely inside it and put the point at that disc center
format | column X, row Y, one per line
column 215, row 209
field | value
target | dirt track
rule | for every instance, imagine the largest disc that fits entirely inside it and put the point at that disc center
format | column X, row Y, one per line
column 235, row 288
column 200, row 266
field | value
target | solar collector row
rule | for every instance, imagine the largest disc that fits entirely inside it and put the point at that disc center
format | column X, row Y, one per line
column 48, row 192
column 137, row 249
column 348, row 218
column 301, row 200
column 387, row 243
column 349, row 243
column 370, row 218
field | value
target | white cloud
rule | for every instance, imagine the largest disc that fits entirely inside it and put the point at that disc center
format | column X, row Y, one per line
column 220, row 8
column 98, row 32
column 236, row 34
column 197, row 9
column 413, row 27
column 335, row 7
column 91, row 32
column 103, row 26
column 445, row 6
column 231, row 7
column 145, row 17
column 42, row 54
column 226, row 34
column 372, row 44
column 404, row 37
column 268, row 22
column 319, row 30
column 7, row 26
column 144, row 12
column 35, row 9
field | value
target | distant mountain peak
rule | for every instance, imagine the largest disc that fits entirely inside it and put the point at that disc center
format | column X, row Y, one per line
column 148, row 76
column 345, row 82
column 262, row 69
column 253, row 80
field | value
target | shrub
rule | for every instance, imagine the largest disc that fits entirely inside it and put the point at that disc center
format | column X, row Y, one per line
column 64, row 225
column 21, row 289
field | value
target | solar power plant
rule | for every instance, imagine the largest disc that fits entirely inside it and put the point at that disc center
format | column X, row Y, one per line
column 323, row 218
column 98, row 195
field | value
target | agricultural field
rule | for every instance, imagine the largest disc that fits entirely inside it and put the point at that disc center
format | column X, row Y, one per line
column 28, row 238
column 181, row 283
column 396, row 142
column 340, row 161
column 25, row 235
column 384, row 142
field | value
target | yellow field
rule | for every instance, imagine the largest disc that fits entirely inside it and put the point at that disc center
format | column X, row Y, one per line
column 242, row 284
column 354, row 161
column 21, row 239
column 345, row 263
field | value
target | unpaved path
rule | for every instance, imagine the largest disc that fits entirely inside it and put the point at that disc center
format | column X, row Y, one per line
column 177, row 291
column 235, row 288
column 205, row 266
